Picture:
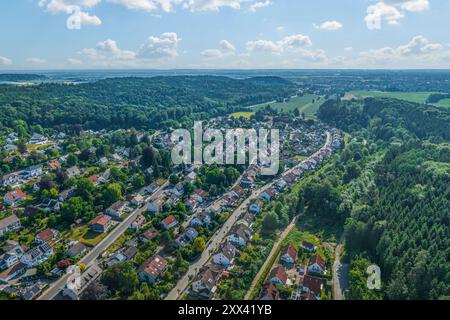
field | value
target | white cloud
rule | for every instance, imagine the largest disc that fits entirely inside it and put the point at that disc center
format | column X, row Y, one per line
column 164, row 46
column 418, row 48
column 392, row 11
column 225, row 49
column 108, row 50
column 260, row 5
column 35, row 60
column 280, row 28
column 74, row 62
column 73, row 8
column 289, row 43
column 5, row 61
column 329, row 25
column 348, row 49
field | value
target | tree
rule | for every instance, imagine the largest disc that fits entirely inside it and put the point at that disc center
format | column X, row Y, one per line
column 112, row 194
column 72, row 160
column 121, row 278
column 199, row 245
column 174, row 179
column 76, row 208
column 85, row 189
column 270, row 222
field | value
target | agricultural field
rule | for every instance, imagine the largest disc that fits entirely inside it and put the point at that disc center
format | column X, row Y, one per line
column 246, row 115
column 309, row 104
column 418, row 97
column 445, row 103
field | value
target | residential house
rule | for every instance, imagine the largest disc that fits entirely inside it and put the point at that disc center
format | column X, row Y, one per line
column 256, row 206
column 9, row 223
column 308, row 246
column 288, row 255
column 199, row 195
column 281, row 184
column 67, row 194
column 73, row 172
column 33, row 171
column 316, row 264
column 205, row 284
column 247, row 181
column 152, row 269
column 156, row 206
column 14, row 197
column 268, row 194
column 137, row 199
column 270, row 293
column 169, row 222
column 12, row 272
column 138, row 222
column 50, row 205
column 12, row 179
column 202, row 219
column 247, row 220
column 225, row 256
column 312, row 285
column 239, row 235
column 148, row 235
column 103, row 161
column 117, row 209
column 94, row 179
column 37, row 255
column 38, row 139
column 46, row 236
column 217, row 207
column 278, row 275
column 190, row 178
column 12, row 253
column 101, row 223
column 178, row 189
column 191, row 204
column 191, row 234
column 76, row 250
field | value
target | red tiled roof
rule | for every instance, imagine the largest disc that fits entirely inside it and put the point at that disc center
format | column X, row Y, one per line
column 46, row 235
column 155, row 266
column 280, row 273
column 101, row 220
column 317, row 259
column 169, row 220
column 270, row 291
column 93, row 179
column 290, row 250
column 313, row 284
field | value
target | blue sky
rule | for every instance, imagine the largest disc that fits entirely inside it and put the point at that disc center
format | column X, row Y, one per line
column 86, row 34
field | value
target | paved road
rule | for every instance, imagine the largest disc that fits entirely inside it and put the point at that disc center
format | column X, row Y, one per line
column 219, row 237
column 340, row 273
column 274, row 250
column 94, row 254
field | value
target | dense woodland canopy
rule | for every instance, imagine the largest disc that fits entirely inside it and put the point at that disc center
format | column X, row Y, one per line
column 399, row 211
column 135, row 102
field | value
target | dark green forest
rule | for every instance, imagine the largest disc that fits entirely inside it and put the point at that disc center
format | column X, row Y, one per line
column 141, row 103
column 395, row 193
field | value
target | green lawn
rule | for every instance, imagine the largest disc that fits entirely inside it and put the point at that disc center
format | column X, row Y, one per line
column 308, row 103
column 86, row 236
column 246, row 115
column 445, row 103
column 418, row 97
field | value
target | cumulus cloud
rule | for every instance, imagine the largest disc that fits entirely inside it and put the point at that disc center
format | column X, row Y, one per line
column 76, row 9
column 259, row 5
column 226, row 48
column 329, row 25
column 74, row 62
column 5, row 61
column 162, row 47
column 392, row 11
column 289, row 43
column 418, row 47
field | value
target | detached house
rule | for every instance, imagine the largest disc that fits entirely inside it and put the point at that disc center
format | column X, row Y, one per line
column 101, row 223
column 308, row 246
column 312, row 285
column 73, row 172
column 316, row 264
column 269, row 194
column 138, row 222
column 225, row 256
column 152, row 269
column 169, row 222
column 37, row 255
column 202, row 219
column 278, row 275
column 239, row 235
column 14, row 197
column 256, row 207
column 9, row 223
column 156, row 206
column 289, row 254
column 117, row 209
column 12, row 253
column 270, row 293
column 205, row 284
column 46, row 236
